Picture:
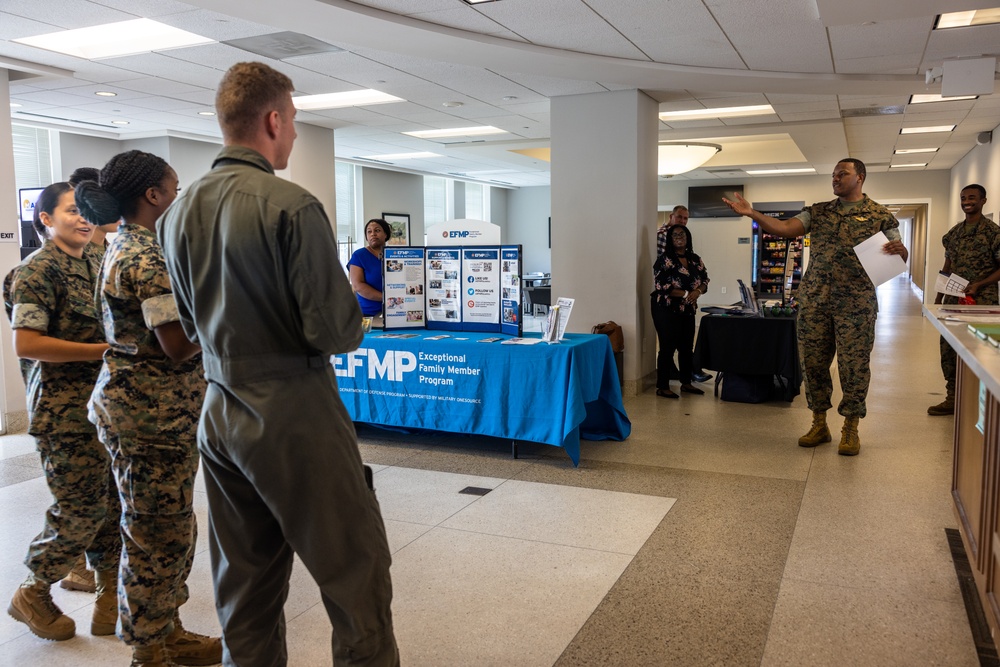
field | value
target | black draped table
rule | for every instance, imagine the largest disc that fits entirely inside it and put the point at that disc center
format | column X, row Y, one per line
column 751, row 346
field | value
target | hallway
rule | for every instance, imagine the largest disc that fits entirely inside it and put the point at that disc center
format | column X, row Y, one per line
column 707, row 538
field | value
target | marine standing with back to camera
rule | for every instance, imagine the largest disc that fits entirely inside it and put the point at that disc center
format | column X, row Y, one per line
column 971, row 251
column 837, row 303
column 253, row 262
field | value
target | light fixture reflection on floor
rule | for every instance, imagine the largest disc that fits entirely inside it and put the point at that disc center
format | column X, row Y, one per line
column 679, row 157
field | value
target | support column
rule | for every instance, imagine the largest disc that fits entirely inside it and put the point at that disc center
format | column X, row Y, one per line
column 311, row 166
column 15, row 417
column 604, row 217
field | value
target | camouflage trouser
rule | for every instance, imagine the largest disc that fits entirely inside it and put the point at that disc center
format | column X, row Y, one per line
column 82, row 518
column 826, row 328
column 949, row 366
column 156, row 486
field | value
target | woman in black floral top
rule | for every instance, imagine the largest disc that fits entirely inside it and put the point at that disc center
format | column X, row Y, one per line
column 679, row 278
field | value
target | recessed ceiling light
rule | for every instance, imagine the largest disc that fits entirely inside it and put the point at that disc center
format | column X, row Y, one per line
column 451, row 105
column 761, row 172
column 963, row 19
column 909, row 151
column 105, row 93
column 14, row 105
column 901, row 166
column 924, row 99
column 928, row 129
column 723, row 112
column 478, row 2
column 456, row 132
column 206, row 113
column 351, row 98
column 401, row 156
column 509, row 98
column 119, row 122
column 115, row 39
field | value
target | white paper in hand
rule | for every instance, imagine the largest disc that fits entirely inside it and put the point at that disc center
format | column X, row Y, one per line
column 879, row 266
column 951, row 284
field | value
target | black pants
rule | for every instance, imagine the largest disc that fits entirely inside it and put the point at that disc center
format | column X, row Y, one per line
column 675, row 331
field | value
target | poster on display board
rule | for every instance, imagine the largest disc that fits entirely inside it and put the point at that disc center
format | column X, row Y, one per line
column 480, row 289
column 510, row 290
column 444, row 288
column 403, row 287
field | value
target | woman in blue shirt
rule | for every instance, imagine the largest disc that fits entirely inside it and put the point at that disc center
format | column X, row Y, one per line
column 366, row 267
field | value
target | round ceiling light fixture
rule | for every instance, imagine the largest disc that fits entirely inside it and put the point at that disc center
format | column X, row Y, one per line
column 679, row 157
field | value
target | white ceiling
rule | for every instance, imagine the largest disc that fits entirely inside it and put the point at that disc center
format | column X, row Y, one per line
column 814, row 61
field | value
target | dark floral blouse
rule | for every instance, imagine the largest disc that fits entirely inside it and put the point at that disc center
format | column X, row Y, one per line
column 669, row 274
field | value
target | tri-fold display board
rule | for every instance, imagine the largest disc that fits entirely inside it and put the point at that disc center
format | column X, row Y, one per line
column 458, row 288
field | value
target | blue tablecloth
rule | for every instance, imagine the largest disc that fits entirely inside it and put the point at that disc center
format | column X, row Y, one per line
column 549, row 393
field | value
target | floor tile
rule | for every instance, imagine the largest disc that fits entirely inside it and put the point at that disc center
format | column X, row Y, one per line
column 586, row 518
column 472, row 599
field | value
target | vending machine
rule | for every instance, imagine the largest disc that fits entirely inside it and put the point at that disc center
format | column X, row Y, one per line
column 778, row 261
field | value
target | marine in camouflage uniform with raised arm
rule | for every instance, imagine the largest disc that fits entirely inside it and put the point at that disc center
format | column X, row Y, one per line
column 837, row 304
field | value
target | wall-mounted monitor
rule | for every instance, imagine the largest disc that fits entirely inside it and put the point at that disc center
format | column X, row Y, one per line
column 705, row 201
column 27, row 198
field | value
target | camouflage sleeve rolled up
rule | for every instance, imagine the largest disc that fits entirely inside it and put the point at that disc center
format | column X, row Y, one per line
column 32, row 295
column 159, row 310
column 29, row 316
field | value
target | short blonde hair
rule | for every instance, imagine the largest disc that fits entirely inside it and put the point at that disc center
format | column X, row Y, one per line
column 247, row 92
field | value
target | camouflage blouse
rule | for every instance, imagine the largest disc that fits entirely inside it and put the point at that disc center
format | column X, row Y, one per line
column 52, row 292
column 140, row 391
column 834, row 268
column 974, row 251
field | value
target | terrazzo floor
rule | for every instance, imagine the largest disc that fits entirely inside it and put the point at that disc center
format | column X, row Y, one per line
column 707, row 538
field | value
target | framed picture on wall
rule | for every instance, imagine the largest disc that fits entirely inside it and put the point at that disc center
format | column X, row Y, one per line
column 400, row 223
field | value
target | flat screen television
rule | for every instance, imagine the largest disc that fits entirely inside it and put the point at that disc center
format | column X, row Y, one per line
column 28, row 197
column 705, row 201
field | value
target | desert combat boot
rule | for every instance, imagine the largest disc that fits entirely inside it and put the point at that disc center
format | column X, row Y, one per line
column 818, row 433
column 79, row 578
column 153, row 655
column 105, row 616
column 191, row 649
column 32, row 605
column 945, row 407
column 850, row 443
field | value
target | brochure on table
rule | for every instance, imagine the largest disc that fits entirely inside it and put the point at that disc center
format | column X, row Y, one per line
column 403, row 287
column 555, row 325
column 453, row 288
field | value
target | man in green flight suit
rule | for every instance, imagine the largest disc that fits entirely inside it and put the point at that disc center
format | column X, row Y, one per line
column 837, row 305
column 972, row 251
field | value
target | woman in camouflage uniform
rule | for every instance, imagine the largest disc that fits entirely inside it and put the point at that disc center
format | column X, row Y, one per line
column 57, row 328
column 146, row 405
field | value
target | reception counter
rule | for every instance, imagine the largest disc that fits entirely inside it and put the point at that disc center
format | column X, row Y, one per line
column 975, row 483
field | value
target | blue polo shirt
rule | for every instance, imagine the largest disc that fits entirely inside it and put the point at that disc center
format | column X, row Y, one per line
column 372, row 266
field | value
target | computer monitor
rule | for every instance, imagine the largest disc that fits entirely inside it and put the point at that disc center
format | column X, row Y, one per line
column 748, row 300
column 27, row 197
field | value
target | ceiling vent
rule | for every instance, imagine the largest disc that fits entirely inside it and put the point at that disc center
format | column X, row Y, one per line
column 872, row 111
column 282, row 45
column 68, row 120
column 730, row 171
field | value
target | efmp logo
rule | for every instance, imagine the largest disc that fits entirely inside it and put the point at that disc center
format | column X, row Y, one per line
column 472, row 291
column 472, row 279
column 444, row 235
column 458, row 234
